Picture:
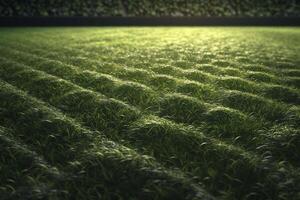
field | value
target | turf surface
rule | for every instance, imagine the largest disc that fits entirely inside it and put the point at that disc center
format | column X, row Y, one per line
column 150, row 113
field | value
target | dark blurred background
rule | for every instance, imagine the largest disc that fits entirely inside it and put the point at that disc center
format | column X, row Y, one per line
column 157, row 8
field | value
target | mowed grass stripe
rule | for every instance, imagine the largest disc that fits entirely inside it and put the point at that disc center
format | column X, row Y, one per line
column 29, row 84
column 96, row 159
column 274, row 115
column 78, row 42
column 215, row 119
column 173, row 106
column 169, row 84
column 274, row 91
column 283, row 93
column 231, row 71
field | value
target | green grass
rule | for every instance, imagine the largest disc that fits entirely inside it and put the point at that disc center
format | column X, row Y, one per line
column 150, row 113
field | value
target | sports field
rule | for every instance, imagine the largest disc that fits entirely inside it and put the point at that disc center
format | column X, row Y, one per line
column 150, row 113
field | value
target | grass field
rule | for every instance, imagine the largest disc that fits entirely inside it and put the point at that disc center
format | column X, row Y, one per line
column 150, row 113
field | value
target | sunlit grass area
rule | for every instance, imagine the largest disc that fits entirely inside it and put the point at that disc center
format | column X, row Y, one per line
column 150, row 113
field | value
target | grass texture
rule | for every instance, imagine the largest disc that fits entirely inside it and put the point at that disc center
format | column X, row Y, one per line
column 150, row 113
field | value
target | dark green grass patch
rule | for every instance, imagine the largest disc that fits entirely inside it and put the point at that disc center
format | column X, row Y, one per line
column 256, row 105
column 260, row 77
column 294, row 82
column 240, row 84
column 182, row 108
column 285, row 94
column 135, row 93
column 230, row 123
column 293, row 73
column 285, row 137
column 163, row 82
column 195, row 89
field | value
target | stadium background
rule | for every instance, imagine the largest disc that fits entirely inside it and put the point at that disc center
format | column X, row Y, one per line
column 157, row 8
